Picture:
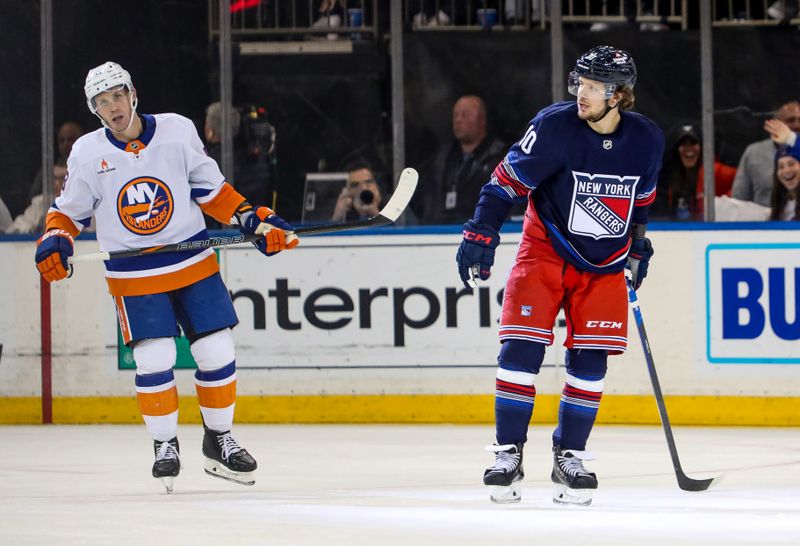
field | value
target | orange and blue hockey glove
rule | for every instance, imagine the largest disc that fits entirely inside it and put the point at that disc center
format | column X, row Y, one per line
column 278, row 234
column 52, row 251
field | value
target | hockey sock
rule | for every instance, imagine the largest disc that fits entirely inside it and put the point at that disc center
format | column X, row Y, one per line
column 158, row 402
column 580, row 399
column 515, row 393
column 216, row 393
column 215, row 379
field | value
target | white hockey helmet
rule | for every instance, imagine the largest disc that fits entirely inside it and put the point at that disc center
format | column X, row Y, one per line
column 105, row 77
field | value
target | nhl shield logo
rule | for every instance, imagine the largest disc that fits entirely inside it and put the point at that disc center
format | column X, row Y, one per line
column 607, row 144
column 601, row 204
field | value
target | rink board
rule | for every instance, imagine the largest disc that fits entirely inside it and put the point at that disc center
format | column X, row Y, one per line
column 377, row 328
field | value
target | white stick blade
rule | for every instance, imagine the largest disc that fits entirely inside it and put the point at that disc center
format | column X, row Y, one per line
column 402, row 194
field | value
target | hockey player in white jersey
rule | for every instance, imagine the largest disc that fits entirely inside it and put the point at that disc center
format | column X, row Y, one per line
column 147, row 181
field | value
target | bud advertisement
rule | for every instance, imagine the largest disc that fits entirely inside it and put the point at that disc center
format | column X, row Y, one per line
column 752, row 302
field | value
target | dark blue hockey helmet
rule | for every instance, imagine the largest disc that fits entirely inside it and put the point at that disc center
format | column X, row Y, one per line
column 605, row 64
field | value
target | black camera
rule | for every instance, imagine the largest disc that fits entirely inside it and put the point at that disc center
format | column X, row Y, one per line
column 366, row 197
column 259, row 134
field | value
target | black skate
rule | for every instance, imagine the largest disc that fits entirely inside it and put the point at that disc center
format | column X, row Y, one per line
column 574, row 484
column 226, row 459
column 168, row 462
column 505, row 475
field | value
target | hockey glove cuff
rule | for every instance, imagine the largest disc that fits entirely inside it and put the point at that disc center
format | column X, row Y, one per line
column 52, row 251
column 278, row 234
column 475, row 256
column 638, row 260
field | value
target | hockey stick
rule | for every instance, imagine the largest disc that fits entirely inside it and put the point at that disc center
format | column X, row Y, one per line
column 388, row 214
column 684, row 482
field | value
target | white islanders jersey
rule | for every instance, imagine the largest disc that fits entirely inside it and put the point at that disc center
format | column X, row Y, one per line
column 148, row 192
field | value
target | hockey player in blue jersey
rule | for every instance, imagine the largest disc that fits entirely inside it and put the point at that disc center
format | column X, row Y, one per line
column 588, row 171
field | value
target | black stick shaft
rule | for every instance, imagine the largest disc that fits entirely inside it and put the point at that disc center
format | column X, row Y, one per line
column 684, row 482
column 245, row 238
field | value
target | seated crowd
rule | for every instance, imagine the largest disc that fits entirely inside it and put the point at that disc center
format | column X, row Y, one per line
column 762, row 187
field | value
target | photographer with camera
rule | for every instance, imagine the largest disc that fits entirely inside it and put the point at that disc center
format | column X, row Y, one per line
column 253, row 149
column 361, row 197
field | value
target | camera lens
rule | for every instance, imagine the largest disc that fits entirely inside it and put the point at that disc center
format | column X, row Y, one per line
column 366, row 197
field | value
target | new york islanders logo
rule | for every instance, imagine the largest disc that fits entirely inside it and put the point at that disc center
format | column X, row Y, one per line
column 601, row 204
column 145, row 205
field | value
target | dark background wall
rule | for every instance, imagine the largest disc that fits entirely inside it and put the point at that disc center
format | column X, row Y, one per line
column 329, row 109
column 511, row 71
column 162, row 44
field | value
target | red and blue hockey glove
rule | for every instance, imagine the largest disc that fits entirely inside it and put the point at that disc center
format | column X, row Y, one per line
column 475, row 256
column 52, row 251
column 638, row 259
column 278, row 234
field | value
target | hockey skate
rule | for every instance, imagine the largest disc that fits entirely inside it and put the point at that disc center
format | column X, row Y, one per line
column 168, row 462
column 505, row 475
column 573, row 483
column 226, row 459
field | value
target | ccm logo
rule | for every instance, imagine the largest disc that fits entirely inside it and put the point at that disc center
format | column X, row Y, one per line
column 603, row 324
column 477, row 237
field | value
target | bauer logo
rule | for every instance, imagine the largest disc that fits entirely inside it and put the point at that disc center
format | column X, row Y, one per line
column 752, row 302
column 145, row 205
column 601, row 204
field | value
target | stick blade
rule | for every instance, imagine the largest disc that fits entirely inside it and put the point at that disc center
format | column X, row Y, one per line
column 406, row 186
column 689, row 484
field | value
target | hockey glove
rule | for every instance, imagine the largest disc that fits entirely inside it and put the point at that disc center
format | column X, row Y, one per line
column 52, row 251
column 475, row 256
column 638, row 259
column 278, row 234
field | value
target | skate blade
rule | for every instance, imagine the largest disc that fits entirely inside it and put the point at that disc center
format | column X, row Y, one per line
column 167, row 481
column 218, row 470
column 505, row 494
column 578, row 497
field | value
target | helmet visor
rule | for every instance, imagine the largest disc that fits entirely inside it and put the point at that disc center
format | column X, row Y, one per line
column 581, row 86
column 103, row 100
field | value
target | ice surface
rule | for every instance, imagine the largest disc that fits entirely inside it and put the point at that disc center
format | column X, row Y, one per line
column 381, row 485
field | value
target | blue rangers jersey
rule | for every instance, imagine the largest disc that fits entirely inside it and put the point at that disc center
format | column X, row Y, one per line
column 586, row 188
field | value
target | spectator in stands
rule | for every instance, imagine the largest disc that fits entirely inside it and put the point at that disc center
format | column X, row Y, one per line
column 438, row 14
column 629, row 8
column 66, row 136
column 452, row 183
column 32, row 220
column 331, row 15
column 755, row 175
column 783, row 10
column 361, row 196
column 253, row 149
column 5, row 216
column 785, row 204
column 681, row 186
column 213, row 130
